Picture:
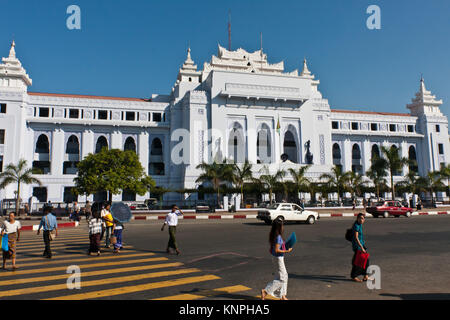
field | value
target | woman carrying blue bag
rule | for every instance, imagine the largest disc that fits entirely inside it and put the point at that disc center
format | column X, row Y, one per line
column 10, row 231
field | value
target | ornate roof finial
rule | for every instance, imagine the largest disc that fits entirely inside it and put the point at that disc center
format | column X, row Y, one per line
column 305, row 71
column 422, row 84
column 12, row 51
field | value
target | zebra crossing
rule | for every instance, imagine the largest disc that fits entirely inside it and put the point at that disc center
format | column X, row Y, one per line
column 132, row 274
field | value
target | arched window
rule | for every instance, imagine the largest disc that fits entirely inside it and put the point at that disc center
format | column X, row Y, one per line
column 101, row 143
column 130, row 145
column 413, row 167
column 156, row 165
column 236, row 144
column 375, row 152
column 264, row 145
column 356, row 159
column 156, row 148
column 290, row 146
column 73, row 146
column 42, row 144
column 337, row 155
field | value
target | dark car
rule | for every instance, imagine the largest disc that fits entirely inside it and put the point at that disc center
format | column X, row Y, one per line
column 203, row 207
column 389, row 208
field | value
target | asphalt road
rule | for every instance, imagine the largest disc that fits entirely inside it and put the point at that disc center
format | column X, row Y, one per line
column 413, row 255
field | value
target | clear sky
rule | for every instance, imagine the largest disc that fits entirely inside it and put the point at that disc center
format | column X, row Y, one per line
column 134, row 48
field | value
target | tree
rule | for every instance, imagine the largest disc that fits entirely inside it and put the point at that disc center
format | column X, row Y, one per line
column 336, row 180
column 216, row 174
column 112, row 171
column 431, row 182
column 299, row 178
column 411, row 182
column 355, row 182
column 19, row 174
column 445, row 173
column 393, row 164
column 270, row 181
column 240, row 175
column 377, row 174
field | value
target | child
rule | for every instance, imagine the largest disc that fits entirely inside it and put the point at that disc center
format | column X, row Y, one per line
column 118, row 229
column 95, row 231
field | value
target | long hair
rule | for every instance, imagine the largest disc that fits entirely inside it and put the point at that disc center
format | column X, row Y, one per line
column 277, row 226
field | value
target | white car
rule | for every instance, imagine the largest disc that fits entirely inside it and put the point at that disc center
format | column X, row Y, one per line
column 287, row 212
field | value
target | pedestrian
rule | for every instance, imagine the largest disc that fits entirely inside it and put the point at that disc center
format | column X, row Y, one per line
column 358, row 243
column 48, row 224
column 277, row 287
column 364, row 203
column 88, row 210
column 11, row 227
column 353, row 204
column 172, row 221
column 108, row 223
column 76, row 211
column 95, row 231
column 118, row 232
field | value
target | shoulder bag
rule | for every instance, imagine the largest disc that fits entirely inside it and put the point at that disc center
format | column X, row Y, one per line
column 52, row 233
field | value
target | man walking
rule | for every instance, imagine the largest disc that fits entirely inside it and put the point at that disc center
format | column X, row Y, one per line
column 88, row 210
column 48, row 223
column 172, row 221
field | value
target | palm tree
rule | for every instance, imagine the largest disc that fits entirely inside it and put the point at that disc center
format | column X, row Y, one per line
column 270, row 181
column 299, row 177
column 355, row 183
column 412, row 182
column 431, row 182
column 19, row 174
column 241, row 175
column 336, row 180
column 377, row 174
column 445, row 173
column 216, row 174
column 394, row 163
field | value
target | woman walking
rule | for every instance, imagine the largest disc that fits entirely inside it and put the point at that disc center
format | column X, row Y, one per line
column 108, row 224
column 358, row 243
column 95, row 231
column 277, row 287
column 118, row 229
column 11, row 227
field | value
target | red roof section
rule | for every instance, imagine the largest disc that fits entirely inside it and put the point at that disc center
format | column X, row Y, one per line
column 79, row 96
column 372, row 112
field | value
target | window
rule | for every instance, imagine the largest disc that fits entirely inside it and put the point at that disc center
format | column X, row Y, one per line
column 2, row 136
column 355, row 126
column 392, row 127
column 441, row 148
column 43, row 112
column 74, row 113
column 102, row 115
column 2, row 107
column 410, row 128
column 1, row 163
column 286, row 207
column 374, row 126
column 438, row 128
column 334, row 125
column 156, row 117
column 130, row 116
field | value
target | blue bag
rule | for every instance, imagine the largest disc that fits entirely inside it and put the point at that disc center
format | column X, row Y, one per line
column 5, row 246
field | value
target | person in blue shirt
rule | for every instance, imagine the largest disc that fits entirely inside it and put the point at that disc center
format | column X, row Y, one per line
column 48, row 224
column 278, row 287
column 358, row 243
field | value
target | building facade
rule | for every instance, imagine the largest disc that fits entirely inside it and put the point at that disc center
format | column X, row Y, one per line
column 238, row 107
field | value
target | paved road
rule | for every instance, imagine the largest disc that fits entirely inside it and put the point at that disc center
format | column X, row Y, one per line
column 230, row 260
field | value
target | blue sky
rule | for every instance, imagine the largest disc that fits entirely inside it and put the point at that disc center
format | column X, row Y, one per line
column 135, row 48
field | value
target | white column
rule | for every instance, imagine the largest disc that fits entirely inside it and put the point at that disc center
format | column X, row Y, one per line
column 57, row 150
column 87, row 143
column 347, row 155
column 366, row 155
column 404, row 154
column 116, row 140
column 251, row 139
column 143, row 150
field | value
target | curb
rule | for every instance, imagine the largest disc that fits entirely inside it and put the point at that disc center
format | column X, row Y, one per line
column 35, row 227
column 253, row 216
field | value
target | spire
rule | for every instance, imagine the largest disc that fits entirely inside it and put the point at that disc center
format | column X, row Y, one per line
column 12, row 51
column 306, row 73
column 422, row 85
column 189, row 71
column 424, row 102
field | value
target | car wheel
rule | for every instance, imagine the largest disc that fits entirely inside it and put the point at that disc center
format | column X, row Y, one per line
column 280, row 218
column 311, row 220
column 408, row 214
column 385, row 214
column 374, row 215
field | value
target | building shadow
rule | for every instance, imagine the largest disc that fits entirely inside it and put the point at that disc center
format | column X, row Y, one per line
column 323, row 278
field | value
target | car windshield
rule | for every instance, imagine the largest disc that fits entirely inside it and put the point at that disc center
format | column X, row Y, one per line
column 379, row 204
column 273, row 206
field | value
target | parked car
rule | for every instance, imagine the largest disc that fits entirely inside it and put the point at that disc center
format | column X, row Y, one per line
column 138, row 206
column 389, row 208
column 287, row 212
column 203, row 207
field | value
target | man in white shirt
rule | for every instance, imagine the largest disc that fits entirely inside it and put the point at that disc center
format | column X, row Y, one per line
column 172, row 221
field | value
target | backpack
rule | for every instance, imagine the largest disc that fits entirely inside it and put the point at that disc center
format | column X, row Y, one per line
column 349, row 234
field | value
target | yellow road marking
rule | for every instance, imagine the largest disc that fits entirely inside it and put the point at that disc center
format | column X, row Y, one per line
column 69, row 248
column 9, row 293
column 93, row 265
column 52, row 245
column 136, row 288
column 56, row 257
column 49, row 261
column 90, row 273
column 206, row 293
column 58, row 238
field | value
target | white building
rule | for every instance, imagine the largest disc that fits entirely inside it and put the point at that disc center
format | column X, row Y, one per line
column 223, row 111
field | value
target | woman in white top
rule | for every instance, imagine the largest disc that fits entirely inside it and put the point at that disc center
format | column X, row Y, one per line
column 11, row 227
